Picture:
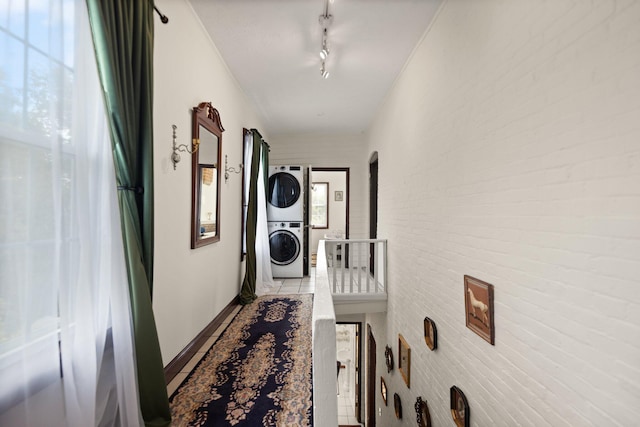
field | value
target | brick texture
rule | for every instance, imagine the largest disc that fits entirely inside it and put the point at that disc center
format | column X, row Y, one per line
column 509, row 150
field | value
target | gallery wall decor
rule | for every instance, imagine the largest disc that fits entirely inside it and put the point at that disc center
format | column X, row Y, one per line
column 478, row 302
column 404, row 360
column 422, row 413
column 397, row 405
column 388, row 358
column 459, row 407
column 383, row 390
column 430, row 334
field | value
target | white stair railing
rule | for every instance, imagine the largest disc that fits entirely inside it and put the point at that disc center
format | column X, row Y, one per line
column 356, row 266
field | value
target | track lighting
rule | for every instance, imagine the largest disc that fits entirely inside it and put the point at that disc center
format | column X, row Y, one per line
column 323, row 71
column 325, row 20
column 324, row 52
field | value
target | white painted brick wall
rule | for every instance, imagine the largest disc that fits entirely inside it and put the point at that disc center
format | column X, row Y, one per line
column 510, row 151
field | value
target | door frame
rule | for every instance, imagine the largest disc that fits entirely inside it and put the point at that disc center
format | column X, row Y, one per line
column 346, row 200
column 347, row 196
column 373, row 208
column 371, row 378
column 358, row 373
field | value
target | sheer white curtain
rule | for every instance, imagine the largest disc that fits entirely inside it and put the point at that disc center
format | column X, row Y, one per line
column 264, row 276
column 66, row 351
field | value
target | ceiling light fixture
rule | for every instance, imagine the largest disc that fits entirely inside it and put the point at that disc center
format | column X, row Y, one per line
column 325, row 20
column 324, row 52
column 323, row 71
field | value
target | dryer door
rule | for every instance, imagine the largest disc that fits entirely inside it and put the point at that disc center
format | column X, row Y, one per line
column 284, row 190
column 285, row 247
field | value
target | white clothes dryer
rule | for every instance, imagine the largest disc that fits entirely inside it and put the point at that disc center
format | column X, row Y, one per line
column 286, row 194
column 285, row 244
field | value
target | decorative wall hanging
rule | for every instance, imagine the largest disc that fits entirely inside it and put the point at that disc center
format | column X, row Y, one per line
column 430, row 334
column 422, row 413
column 459, row 407
column 388, row 358
column 383, row 390
column 404, row 360
column 478, row 302
column 397, row 405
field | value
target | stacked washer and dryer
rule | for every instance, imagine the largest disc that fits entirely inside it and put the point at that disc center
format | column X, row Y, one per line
column 285, row 220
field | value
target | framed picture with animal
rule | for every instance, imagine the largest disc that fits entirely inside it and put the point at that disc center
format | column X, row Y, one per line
column 478, row 303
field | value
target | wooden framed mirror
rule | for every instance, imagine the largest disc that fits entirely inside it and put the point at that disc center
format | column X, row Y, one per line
column 205, row 175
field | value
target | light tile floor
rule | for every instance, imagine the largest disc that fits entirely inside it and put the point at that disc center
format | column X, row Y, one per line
column 346, row 410
column 304, row 285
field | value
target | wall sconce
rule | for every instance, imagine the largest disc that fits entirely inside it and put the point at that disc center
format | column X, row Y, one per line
column 175, row 157
column 227, row 169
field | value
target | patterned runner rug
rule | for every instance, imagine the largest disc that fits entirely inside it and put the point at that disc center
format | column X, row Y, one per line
column 258, row 373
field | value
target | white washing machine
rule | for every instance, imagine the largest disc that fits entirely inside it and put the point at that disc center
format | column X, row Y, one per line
column 285, row 244
column 286, row 194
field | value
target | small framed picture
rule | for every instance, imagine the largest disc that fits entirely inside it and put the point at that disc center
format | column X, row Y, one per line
column 383, row 390
column 422, row 413
column 404, row 360
column 459, row 407
column 478, row 302
column 397, row 405
column 338, row 196
column 430, row 334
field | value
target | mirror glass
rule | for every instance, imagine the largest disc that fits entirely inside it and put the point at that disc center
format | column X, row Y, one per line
column 207, row 133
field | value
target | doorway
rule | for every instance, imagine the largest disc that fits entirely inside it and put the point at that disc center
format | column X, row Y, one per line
column 371, row 378
column 373, row 208
column 336, row 181
column 349, row 353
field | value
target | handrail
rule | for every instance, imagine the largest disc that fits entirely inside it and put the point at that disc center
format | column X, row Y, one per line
column 325, row 403
column 327, row 302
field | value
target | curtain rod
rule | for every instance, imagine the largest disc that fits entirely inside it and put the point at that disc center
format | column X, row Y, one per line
column 163, row 18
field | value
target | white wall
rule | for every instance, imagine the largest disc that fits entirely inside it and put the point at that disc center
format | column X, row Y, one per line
column 509, row 150
column 191, row 286
column 337, row 209
column 330, row 151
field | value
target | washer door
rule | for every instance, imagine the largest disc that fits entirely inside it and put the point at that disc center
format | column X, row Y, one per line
column 284, row 190
column 284, row 246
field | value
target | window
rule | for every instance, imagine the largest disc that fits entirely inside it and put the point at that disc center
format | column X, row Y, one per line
column 64, row 297
column 36, row 160
column 320, row 205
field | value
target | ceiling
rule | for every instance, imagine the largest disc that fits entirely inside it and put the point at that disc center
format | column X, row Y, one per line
column 272, row 48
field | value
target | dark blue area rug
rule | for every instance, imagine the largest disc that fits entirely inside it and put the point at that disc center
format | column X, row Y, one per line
column 258, row 373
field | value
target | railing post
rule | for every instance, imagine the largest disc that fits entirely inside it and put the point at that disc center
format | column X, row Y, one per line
column 359, row 267
column 359, row 251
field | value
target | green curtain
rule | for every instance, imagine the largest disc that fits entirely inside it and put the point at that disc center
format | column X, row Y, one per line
column 122, row 33
column 248, row 290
